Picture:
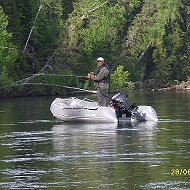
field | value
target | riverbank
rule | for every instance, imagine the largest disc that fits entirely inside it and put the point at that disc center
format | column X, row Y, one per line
column 23, row 91
column 151, row 85
column 178, row 87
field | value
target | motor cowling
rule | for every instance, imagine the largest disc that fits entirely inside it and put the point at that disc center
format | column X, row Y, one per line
column 120, row 99
column 121, row 105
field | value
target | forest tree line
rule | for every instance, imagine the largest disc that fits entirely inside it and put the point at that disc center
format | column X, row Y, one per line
column 151, row 39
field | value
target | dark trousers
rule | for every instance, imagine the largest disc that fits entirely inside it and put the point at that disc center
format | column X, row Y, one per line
column 103, row 98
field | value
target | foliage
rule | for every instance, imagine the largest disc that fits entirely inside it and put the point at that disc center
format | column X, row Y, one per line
column 160, row 23
column 90, row 33
column 45, row 38
column 100, row 28
column 8, row 52
column 151, row 39
column 119, row 80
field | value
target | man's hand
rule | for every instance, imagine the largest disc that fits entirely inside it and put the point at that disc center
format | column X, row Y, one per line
column 90, row 76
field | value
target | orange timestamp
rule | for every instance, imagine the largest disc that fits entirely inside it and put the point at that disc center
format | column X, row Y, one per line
column 180, row 172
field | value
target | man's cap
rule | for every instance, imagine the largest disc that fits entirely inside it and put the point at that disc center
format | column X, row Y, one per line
column 100, row 59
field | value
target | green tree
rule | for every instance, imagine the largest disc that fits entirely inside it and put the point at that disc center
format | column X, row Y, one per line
column 119, row 79
column 156, row 41
column 46, row 22
column 8, row 52
column 15, row 10
column 42, row 19
column 19, row 14
column 90, row 33
column 151, row 39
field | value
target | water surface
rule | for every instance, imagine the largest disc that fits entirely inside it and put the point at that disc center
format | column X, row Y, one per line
column 40, row 152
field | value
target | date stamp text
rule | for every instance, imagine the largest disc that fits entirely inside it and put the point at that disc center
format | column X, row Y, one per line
column 180, row 172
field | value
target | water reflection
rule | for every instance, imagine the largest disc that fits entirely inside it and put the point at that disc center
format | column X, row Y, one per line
column 103, row 136
column 97, row 155
column 77, row 136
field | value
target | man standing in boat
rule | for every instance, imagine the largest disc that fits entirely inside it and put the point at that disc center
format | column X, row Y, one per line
column 102, row 78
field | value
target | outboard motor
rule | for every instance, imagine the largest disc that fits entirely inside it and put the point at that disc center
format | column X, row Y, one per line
column 121, row 105
column 120, row 97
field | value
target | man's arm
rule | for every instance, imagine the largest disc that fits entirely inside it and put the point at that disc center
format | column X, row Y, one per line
column 104, row 72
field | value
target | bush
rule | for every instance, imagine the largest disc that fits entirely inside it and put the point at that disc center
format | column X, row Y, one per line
column 119, row 80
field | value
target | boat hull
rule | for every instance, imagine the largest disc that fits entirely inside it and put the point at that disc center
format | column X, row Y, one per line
column 93, row 113
column 77, row 110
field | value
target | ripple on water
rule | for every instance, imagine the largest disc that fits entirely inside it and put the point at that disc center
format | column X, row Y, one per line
column 173, row 185
column 174, row 120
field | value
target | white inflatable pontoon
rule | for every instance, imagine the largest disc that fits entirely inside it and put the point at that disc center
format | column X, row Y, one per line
column 74, row 109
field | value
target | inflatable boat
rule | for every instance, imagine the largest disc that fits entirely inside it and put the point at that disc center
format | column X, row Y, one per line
column 74, row 109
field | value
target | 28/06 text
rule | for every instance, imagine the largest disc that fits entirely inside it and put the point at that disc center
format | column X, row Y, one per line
column 180, row 172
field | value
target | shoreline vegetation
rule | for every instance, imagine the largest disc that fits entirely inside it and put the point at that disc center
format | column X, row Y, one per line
column 178, row 87
column 55, row 42
column 29, row 91
column 150, row 86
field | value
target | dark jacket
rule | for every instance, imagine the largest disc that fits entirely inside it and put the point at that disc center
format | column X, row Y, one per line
column 102, row 74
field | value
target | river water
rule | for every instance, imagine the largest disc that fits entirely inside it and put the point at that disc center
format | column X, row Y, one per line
column 40, row 152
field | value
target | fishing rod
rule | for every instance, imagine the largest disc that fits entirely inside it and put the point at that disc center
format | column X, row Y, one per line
column 62, row 86
column 85, row 77
column 27, row 81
